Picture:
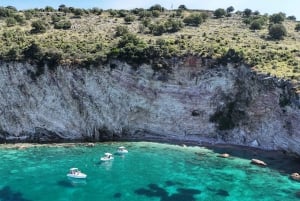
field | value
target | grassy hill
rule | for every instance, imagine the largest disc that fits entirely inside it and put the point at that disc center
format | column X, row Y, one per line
column 74, row 36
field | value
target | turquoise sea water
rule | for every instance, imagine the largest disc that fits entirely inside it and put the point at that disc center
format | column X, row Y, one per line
column 150, row 171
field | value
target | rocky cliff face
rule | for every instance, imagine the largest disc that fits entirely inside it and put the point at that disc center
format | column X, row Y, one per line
column 192, row 101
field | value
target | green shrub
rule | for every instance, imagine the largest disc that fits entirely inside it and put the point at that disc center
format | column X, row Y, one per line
column 193, row 20
column 20, row 19
column 129, row 18
column 7, row 12
column 145, row 14
column 10, row 21
column 297, row 27
column 52, row 59
column 33, row 52
column 63, row 25
column 247, row 12
column 220, row 12
column 49, row 9
column 173, row 25
column 122, row 13
column 157, row 29
column 277, row 18
column 292, row 18
column 155, row 13
column 55, row 18
column 121, row 30
column 96, row 11
column 182, row 7
column 232, row 56
column 277, row 31
column 28, row 14
column 230, row 9
column 13, row 54
column 38, row 26
column 157, row 7
column 256, row 25
column 130, row 48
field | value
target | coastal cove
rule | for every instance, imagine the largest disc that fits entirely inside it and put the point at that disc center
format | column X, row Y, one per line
column 150, row 171
column 154, row 104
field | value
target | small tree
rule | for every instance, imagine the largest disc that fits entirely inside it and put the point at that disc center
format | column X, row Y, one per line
column 230, row 9
column 220, row 12
column 247, row 12
column 256, row 12
column 49, row 9
column 292, row 18
column 277, row 31
column 157, row 7
column 277, row 18
column 182, row 7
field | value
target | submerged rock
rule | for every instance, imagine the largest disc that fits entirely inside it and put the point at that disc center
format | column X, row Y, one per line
column 258, row 162
column 295, row 176
column 224, row 155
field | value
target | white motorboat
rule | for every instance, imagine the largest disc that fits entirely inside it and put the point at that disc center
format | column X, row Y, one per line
column 107, row 157
column 122, row 150
column 76, row 173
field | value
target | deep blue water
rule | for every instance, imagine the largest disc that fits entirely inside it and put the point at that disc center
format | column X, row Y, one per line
column 150, row 171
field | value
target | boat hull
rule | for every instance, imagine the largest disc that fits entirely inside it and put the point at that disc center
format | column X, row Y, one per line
column 77, row 176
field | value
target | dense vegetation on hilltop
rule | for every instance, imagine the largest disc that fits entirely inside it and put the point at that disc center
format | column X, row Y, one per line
column 73, row 36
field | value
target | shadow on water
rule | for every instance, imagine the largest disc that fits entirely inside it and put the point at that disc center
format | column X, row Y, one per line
column 220, row 192
column 6, row 194
column 117, row 195
column 70, row 183
column 276, row 160
column 153, row 190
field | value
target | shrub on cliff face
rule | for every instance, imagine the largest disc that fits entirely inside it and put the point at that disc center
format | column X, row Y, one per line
column 130, row 48
column 231, row 56
column 228, row 116
column 224, row 117
column 33, row 52
column 52, row 59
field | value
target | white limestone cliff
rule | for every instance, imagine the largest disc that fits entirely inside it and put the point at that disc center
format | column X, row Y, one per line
column 191, row 102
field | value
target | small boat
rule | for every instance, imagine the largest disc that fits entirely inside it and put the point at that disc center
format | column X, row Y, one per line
column 107, row 157
column 122, row 150
column 76, row 173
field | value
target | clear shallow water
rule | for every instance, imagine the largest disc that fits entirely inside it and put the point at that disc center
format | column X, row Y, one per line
column 150, row 171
